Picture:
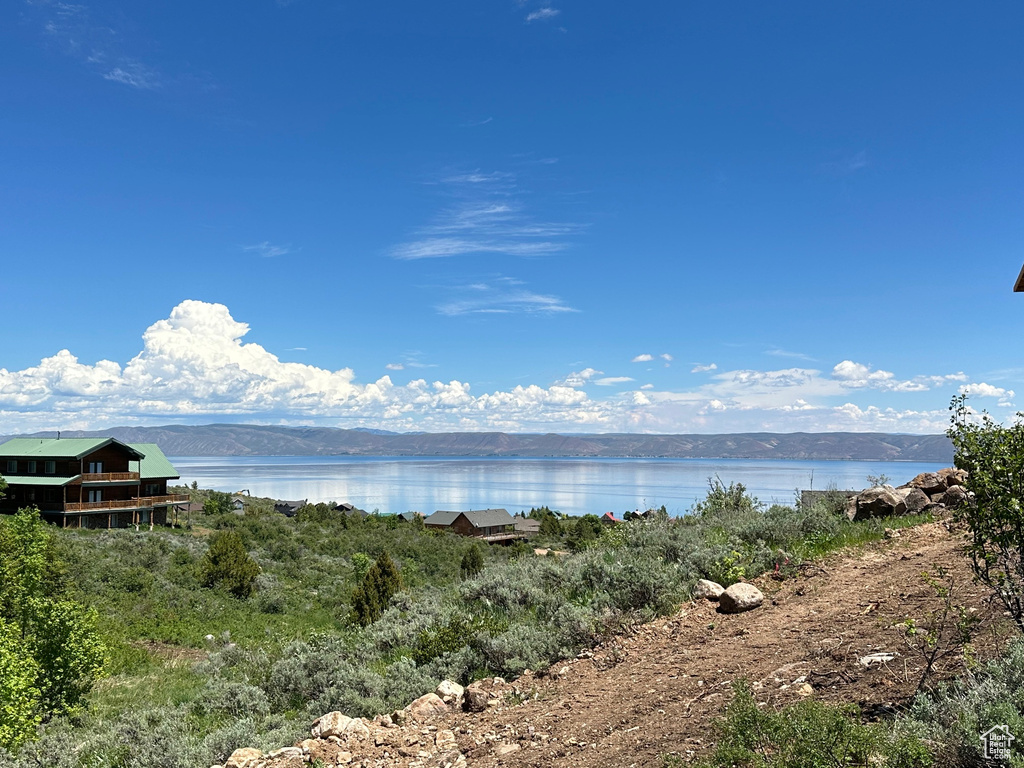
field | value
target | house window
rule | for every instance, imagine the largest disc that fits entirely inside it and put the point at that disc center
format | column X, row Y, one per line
column 96, row 495
column 95, row 467
column 144, row 516
column 51, row 467
column 50, row 494
column 12, row 466
column 31, row 468
column 152, row 489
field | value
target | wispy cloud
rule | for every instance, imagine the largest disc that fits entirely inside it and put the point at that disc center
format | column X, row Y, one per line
column 666, row 357
column 644, row 358
column 699, row 368
column 94, row 42
column 268, row 250
column 850, row 164
column 609, row 381
column 133, row 74
column 777, row 352
column 443, row 247
column 502, row 296
column 542, row 13
column 395, row 367
column 489, row 217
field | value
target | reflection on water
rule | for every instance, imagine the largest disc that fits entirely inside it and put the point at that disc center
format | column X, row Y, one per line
column 574, row 486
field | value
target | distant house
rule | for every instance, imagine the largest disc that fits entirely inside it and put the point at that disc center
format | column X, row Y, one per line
column 410, row 517
column 527, row 527
column 352, row 510
column 1019, row 285
column 488, row 524
column 289, row 508
column 609, row 518
column 238, row 503
column 89, row 482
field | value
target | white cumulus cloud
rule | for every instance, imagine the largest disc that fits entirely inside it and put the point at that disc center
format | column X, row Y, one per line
column 986, row 390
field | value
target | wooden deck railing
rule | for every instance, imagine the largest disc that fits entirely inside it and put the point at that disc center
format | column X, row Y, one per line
column 145, row 502
column 109, row 477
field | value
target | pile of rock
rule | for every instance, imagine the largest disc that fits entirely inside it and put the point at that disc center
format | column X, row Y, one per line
column 422, row 735
column 928, row 492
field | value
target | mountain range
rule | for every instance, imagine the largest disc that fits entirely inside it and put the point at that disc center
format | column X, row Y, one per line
column 255, row 440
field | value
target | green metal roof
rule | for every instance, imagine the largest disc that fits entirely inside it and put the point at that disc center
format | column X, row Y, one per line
column 38, row 479
column 154, row 465
column 55, row 448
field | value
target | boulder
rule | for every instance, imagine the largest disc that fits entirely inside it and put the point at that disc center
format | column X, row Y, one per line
column 427, row 707
column 915, row 499
column 955, row 496
column 952, row 476
column 246, row 757
column 740, row 597
column 331, row 724
column 450, row 693
column 929, row 482
column 880, row 501
column 707, row 590
column 476, row 698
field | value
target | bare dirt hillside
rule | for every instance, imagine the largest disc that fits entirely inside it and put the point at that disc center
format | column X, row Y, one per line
column 656, row 692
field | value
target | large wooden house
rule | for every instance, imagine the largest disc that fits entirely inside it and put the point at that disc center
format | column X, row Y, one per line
column 88, row 482
column 492, row 525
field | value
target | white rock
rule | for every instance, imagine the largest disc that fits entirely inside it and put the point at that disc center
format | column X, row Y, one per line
column 876, row 658
column 246, row 757
column 707, row 590
column 740, row 597
column 450, row 693
column 331, row 724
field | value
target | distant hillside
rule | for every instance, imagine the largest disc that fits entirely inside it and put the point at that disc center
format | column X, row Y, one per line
column 252, row 440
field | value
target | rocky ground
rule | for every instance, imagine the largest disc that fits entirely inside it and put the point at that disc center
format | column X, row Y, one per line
column 655, row 693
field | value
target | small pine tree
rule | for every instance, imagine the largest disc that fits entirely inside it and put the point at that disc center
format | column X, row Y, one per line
column 227, row 564
column 472, row 562
column 370, row 599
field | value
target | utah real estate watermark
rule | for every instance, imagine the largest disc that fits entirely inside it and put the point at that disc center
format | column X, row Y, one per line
column 996, row 743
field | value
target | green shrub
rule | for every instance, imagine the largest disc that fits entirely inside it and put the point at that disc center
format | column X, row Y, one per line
column 228, row 565
column 807, row 735
column 371, row 598
column 952, row 716
column 472, row 561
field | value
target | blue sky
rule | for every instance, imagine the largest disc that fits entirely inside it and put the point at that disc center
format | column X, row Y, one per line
column 494, row 214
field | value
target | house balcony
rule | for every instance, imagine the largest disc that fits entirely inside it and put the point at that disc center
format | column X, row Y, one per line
column 145, row 502
column 92, row 478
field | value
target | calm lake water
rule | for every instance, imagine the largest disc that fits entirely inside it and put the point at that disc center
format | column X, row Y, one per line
column 573, row 486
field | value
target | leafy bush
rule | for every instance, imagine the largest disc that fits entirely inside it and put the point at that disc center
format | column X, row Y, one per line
column 993, row 456
column 50, row 650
